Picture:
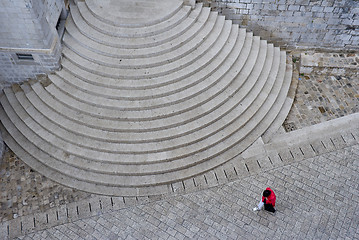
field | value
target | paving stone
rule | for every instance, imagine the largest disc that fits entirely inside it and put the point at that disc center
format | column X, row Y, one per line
column 223, row 216
column 28, row 192
column 324, row 93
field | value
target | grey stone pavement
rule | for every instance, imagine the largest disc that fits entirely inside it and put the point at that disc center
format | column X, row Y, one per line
column 317, row 196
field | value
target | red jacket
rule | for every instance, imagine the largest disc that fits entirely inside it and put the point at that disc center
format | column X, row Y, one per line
column 270, row 199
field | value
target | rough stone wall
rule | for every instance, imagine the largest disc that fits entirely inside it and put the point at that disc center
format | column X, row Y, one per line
column 47, row 13
column 28, row 27
column 52, row 10
column 303, row 24
column 13, row 70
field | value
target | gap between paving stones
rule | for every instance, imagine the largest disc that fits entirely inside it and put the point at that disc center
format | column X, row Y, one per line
column 315, row 183
column 98, row 205
column 328, row 88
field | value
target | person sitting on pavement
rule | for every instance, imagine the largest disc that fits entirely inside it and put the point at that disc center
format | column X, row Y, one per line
column 268, row 201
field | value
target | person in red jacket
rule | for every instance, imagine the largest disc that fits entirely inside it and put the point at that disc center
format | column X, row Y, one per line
column 268, row 201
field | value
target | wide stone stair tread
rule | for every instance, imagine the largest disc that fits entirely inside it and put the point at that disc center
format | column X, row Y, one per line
column 114, row 51
column 164, row 111
column 141, row 105
column 176, row 79
column 70, row 181
column 152, row 178
column 133, row 31
column 199, row 17
column 291, row 84
column 30, row 134
column 196, row 49
column 147, row 146
column 167, row 93
column 130, row 13
column 203, row 53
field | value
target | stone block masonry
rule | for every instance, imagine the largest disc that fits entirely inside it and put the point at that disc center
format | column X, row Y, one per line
column 29, row 41
column 15, row 69
column 297, row 24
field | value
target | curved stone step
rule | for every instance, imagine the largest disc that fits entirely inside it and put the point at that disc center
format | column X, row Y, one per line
column 102, row 126
column 132, row 32
column 116, row 125
column 264, row 108
column 76, row 150
column 132, row 113
column 162, row 38
column 70, row 181
column 168, row 140
column 129, row 13
column 177, row 79
column 220, row 32
column 168, row 94
column 115, row 51
column 177, row 56
column 291, row 84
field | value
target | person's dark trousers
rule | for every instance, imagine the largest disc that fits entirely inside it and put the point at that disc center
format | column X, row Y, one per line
column 269, row 208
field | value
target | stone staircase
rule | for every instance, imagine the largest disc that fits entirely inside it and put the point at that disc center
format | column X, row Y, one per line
column 147, row 99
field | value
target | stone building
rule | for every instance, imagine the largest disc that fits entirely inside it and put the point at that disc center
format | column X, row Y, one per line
column 30, row 36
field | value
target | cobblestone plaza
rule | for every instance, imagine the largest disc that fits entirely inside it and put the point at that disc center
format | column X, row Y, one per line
column 317, row 199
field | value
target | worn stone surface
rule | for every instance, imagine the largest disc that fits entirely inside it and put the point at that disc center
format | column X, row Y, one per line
column 327, row 24
column 316, row 199
column 331, row 63
column 24, row 191
column 329, row 90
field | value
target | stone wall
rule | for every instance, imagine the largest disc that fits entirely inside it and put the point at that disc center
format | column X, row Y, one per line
column 14, row 70
column 302, row 24
column 29, row 41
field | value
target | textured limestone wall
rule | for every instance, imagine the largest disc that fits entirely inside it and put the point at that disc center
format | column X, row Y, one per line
column 28, row 27
column 47, row 13
column 304, row 24
column 13, row 70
